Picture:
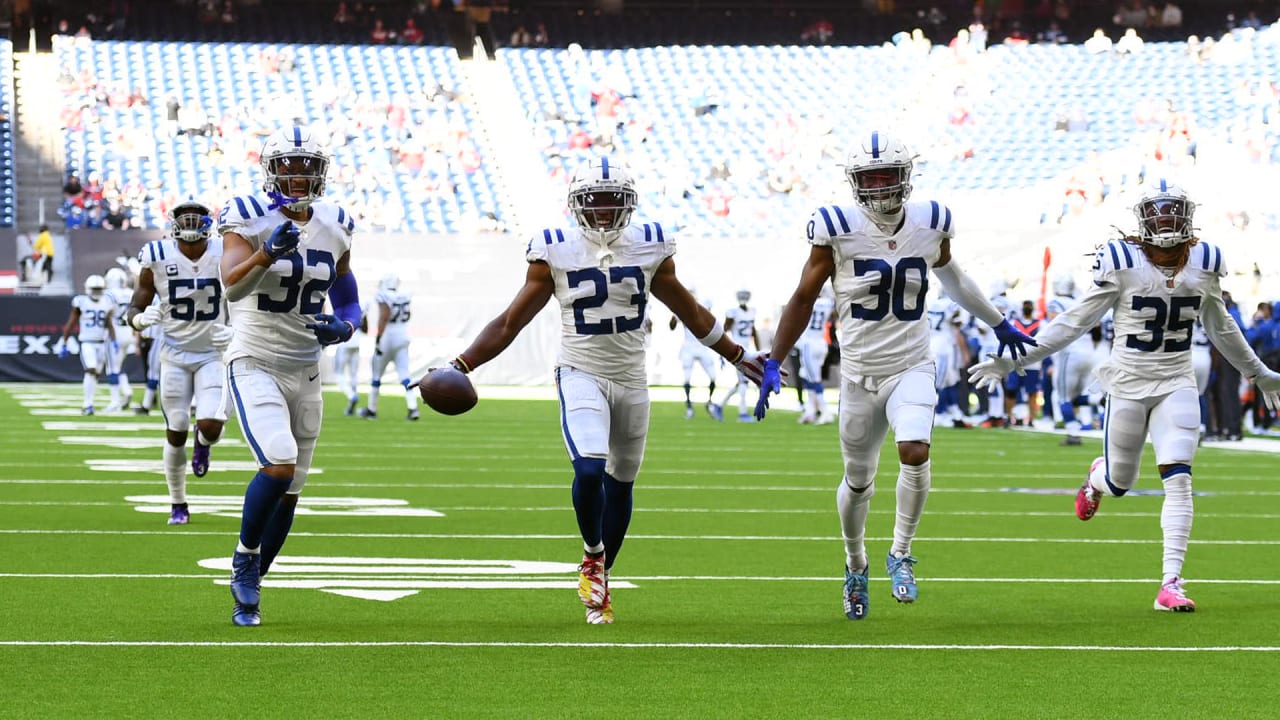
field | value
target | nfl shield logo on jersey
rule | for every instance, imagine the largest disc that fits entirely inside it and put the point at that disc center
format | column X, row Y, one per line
column 893, row 244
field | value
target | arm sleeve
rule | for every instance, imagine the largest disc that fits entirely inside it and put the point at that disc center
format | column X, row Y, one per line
column 1072, row 323
column 345, row 296
column 1225, row 334
column 967, row 294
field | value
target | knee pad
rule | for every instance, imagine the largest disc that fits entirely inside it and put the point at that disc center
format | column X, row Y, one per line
column 589, row 469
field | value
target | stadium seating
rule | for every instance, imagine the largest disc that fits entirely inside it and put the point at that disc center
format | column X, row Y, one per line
column 343, row 90
column 8, row 187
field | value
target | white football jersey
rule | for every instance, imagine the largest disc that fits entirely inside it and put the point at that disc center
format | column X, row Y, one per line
column 602, row 308
column 398, row 303
column 816, row 330
column 880, row 282
column 188, row 291
column 94, row 316
column 121, row 298
column 742, row 324
column 272, row 321
column 1153, row 316
column 1059, row 305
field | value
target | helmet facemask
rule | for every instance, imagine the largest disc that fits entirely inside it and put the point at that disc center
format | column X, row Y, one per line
column 295, row 179
column 881, row 189
column 602, row 210
column 191, row 223
column 1165, row 221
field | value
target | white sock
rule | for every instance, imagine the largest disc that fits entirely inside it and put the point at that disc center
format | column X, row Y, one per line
column 410, row 397
column 373, row 398
column 240, row 548
column 912, row 491
column 148, row 398
column 90, row 387
column 175, row 472
column 1098, row 479
column 206, row 441
column 853, row 508
column 1175, row 521
column 124, row 390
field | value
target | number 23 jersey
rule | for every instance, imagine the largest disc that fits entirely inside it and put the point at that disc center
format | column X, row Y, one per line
column 271, row 322
column 880, row 281
column 602, row 308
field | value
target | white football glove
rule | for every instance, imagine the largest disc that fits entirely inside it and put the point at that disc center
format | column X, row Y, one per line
column 990, row 374
column 1268, row 382
column 222, row 335
column 147, row 318
column 752, row 365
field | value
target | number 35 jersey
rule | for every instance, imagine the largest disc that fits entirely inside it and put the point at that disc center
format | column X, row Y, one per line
column 880, row 281
column 271, row 322
column 603, row 303
column 189, row 291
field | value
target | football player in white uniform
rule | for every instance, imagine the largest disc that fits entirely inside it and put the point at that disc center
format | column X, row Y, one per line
column 740, row 324
column 945, row 338
column 603, row 273
column 281, row 254
column 391, row 343
column 181, row 272
column 878, row 253
column 346, row 364
column 813, row 353
column 94, row 313
column 1157, row 284
column 693, row 353
column 119, row 291
column 1073, row 365
column 150, row 342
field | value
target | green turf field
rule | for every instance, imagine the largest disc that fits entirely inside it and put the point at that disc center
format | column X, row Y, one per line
column 433, row 577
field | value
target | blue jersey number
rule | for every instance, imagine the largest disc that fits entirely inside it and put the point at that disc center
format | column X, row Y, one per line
column 890, row 289
column 399, row 313
column 184, row 306
column 596, row 277
column 93, row 318
column 312, row 293
column 1169, row 319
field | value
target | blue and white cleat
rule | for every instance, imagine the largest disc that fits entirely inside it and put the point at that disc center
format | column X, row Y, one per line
column 856, row 597
column 246, row 589
column 716, row 411
column 903, row 577
column 200, row 459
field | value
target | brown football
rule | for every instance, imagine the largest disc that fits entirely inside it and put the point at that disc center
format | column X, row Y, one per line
column 447, row 390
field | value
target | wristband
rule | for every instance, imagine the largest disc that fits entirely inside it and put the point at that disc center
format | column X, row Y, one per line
column 737, row 356
column 713, row 336
column 462, row 364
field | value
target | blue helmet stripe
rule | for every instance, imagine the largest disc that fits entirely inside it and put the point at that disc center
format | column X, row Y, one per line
column 297, row 136
column 875, row 145
column 604, row 168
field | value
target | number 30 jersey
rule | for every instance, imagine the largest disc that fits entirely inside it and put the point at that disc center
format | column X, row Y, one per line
column 271, row 322
column 880, row 281
column 603, row 302
column 189, row 292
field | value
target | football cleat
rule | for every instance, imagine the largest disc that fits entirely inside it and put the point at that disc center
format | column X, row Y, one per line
column 1173, row 598
column 87, row 411
column 351, row 406
column 856, row 598
column 246, row 615
column 246, row 579
column 367, row 413
column 746, row 418
column 903, row 577
column 1071, row 441
column 600, row 615
column 113, row 407
column 593, row 582
column 1087, row 497
column 806, row 419
column 716, row 411
column 140, row 410
column 688, row 413
column 179, row 514
column 200, row 459
column 413, row 414
column 825, row 418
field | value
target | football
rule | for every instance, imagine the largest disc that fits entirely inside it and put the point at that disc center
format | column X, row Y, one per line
column 447, row 390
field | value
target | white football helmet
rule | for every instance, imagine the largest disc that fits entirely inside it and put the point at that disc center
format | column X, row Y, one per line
column 1164, row 214
column 389, row 282
column 294, row 166
column 1064, row 285
column 879, row 170
column 190, row 222
column 602, row 197
column 744, row 297
column 117, row 279
column 94, row 285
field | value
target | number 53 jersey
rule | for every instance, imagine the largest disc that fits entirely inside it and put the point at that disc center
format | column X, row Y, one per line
column 603, row 296
column 880, row 281
column 271, row 322
column 190, row 294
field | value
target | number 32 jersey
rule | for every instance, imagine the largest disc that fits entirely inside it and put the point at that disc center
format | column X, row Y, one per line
column 189, row 291
column 271, row 322
column 880, row 281
column 603, row 306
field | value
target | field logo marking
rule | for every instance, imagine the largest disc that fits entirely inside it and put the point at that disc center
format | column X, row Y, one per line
column 231, row 506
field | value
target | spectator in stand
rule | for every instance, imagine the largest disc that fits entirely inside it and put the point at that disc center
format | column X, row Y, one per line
column 1098, row 44
column 521, row 37
column 819, row 33
column 1129, row 43
column 1134, row 14
column 540, row 36
column 72, row 190
column 1171, row 17
column 342, row 16
column 411, row 34
column 379, row 35
column 1052, row 35
column 42, row 254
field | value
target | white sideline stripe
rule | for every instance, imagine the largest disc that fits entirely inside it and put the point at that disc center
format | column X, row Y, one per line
column 640, row 578
column 560, row 487
column 558, row 536
column 640, row 646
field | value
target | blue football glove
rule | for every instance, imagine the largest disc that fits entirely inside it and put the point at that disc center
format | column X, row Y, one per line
column 770, row 383
column 1012, row 338
column 63, row 351
column 330, row 330
column 284, row 240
